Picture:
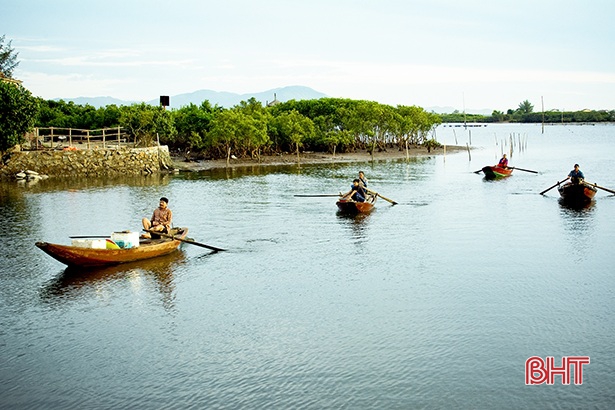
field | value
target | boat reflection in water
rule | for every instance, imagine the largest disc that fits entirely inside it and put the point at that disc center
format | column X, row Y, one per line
column 74, row 284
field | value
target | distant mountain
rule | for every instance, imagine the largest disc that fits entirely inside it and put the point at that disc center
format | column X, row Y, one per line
column 223, row 99
column 450, row 110
column 96, row 102
column 227, row 100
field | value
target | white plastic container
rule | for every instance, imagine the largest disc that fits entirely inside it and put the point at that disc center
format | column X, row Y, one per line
column 90, row 243
column 126, row 240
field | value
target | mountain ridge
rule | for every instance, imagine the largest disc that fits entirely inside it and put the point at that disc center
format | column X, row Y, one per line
column 228, row 99
column 222, row 98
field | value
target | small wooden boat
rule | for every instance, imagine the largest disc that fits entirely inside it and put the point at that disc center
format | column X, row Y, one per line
column 496, row 172
column 577, row 193
column 353, row 207
column 89, row 257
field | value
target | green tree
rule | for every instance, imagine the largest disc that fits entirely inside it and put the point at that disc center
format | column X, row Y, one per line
column 8, row 58
column 497, row 116
column 146, row 123
column 193, row 123
column 18, row 110
column 525, row 107
column 294, row 127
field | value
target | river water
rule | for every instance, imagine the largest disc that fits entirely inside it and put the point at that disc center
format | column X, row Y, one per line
column 436, row 302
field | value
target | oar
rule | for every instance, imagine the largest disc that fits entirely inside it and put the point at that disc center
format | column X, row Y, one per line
column 551, row 187
column 383, row 197
column 213, row 248
column 316, row 195
column 526, row 170
column 89, row 236
column 604, row 189
column 478, row 172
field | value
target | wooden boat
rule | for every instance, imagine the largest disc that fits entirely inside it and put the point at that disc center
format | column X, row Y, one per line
column 353, row 207
column 577, row 193
column 496, row 172
column 88, row 257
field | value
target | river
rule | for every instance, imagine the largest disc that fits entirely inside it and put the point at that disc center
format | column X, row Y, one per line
column 436, row 302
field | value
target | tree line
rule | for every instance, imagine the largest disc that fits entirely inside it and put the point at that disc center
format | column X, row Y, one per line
column 251, row 129
column 525, row 113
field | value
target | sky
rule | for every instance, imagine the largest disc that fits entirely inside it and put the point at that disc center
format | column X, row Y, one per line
column 465, row 54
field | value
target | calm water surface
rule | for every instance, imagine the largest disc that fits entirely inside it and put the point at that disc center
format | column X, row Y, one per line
column 434, row 303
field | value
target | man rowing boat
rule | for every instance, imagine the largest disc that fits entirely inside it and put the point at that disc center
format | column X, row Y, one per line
column 356, row 193
column 161, row 219
column 576, row 175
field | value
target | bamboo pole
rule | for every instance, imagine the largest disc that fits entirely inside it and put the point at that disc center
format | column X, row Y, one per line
column 543, row 113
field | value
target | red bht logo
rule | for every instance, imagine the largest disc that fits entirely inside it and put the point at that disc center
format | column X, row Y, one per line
column 537, row 371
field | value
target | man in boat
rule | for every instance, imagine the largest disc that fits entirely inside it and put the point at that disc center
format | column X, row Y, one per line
column 362, row 180
column 503, row 162
column 576, row 175
column 356, row 193
column 161, row 219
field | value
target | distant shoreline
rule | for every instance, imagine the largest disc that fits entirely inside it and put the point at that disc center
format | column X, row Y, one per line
column 308, row 158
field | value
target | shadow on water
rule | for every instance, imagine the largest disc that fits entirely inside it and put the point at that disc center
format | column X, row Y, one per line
column 576, row 209
column 358, row 223
column 578, row 223
column 76, row 283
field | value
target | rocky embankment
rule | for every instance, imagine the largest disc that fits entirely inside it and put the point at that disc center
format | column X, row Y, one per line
column 95, row 162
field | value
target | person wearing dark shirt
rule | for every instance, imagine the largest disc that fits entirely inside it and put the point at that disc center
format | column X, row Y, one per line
column 356, row 193
column 503, row 162
column 576, row 175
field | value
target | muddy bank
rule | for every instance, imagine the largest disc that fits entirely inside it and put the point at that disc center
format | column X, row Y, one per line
column 183, row 164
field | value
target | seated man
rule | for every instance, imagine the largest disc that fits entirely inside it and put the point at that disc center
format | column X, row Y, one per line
column 161, row 219
column 356, row 193
column 576, row 175
column 503, row 162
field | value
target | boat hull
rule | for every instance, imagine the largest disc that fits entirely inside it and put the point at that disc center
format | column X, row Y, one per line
column 577, row 193
column 495, row 172
column 87, row 257
column 353, row 207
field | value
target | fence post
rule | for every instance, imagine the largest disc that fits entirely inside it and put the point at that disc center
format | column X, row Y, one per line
column 118, row 137
column 70, row 137
column 103, row 138
column 88, row 135
column 51, row 137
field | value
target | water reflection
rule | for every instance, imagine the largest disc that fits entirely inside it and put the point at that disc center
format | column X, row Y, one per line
column 74, row 284
column 357, row 223
column 82, row 183
column 578, row 223
column 576, row 208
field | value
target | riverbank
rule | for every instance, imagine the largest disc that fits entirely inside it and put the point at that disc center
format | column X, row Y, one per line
column 183, row 164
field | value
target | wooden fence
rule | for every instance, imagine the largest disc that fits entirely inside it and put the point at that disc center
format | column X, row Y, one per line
column 71, row 138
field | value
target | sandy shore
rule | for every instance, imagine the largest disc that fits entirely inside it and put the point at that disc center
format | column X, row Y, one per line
column 182, row 164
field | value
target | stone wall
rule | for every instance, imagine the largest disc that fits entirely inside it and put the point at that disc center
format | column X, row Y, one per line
column 95, row 162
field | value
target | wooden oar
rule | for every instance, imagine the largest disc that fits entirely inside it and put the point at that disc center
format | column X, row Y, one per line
column 89, row 236
column 551, row 187
column 478, row 172
column 526, row 170
column 383, row 197
column 604, row 189
column 213, row 248
column 317, row 195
